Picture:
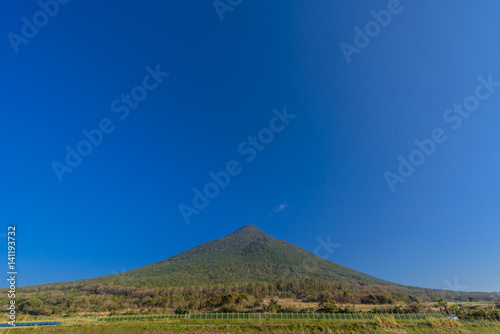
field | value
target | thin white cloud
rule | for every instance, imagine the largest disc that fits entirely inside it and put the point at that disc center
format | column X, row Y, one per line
column 279, row 208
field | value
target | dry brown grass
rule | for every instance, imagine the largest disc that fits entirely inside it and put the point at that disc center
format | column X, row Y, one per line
column 292, row 302
column 443, row 323
column 386, row 322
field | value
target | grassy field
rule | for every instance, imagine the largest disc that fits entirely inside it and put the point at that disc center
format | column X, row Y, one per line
column 268, row 324
column 256, row 317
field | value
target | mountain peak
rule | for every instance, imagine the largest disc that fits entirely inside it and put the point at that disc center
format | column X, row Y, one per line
column 246, row 255
column 248, row 228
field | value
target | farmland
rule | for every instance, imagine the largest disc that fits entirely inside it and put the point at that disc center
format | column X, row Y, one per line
column 331, row 298
column 266, row 322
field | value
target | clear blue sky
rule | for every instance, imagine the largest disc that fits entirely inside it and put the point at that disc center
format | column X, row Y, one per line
column 322, row 175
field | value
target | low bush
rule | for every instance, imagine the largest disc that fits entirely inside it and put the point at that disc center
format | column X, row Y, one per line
column 181, row 310
column 443, row 323
column 386, row 322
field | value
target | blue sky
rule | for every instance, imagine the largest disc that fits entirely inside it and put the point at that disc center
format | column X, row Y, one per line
column 323, row 174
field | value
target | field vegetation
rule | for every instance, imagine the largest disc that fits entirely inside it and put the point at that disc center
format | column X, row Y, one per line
column 246, row 271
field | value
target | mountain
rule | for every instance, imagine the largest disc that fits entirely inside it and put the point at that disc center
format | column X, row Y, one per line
column 245, row 261
column 247, row 255
column 231, row 274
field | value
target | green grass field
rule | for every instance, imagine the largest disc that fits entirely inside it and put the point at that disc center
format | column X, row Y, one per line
column 264, row 323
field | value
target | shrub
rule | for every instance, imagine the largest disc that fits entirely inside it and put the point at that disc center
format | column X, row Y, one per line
column 443, row 323
column 289, row 309
column 228, row 309
column 415, row 308
column 242, row 298
column 386, row 322
column 181, row 310
column 258, row 302
column 31, row 306
column 328, row 306
column 348, row 309
column 273, row 306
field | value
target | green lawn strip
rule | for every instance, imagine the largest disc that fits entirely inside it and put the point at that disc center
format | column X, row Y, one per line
column 253, row 327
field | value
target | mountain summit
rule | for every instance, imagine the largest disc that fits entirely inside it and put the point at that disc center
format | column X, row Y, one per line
column 246, row 255
column 248, row 229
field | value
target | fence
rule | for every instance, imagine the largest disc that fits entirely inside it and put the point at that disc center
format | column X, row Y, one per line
column 249, row 316
column 276, row 316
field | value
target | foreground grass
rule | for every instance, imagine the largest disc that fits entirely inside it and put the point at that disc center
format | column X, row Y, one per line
column 251, row 327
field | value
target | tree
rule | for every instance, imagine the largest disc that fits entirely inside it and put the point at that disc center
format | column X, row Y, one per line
column 31, row 306
column 328, row 306
column 273, row 306
column 442, row 304
column 242, row 298
column 415, row 308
